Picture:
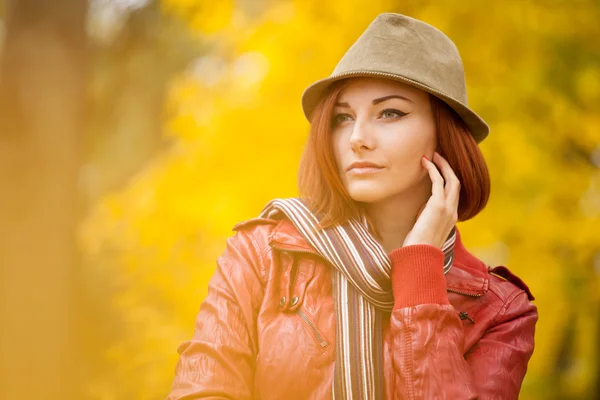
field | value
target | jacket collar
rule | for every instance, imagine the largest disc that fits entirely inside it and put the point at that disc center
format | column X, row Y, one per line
column 468, row 274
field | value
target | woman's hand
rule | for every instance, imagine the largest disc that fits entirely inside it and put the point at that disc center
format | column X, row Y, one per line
column 439, row 215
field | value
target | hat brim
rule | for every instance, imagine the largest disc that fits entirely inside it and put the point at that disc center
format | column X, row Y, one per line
column 312, row 95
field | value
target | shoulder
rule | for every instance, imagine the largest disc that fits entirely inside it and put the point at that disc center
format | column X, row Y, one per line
column 249, row 243
column 476, row 274
column 505, row 283
column 256, row 227
column 255, row 231
column 502, row 294
column 513, row 295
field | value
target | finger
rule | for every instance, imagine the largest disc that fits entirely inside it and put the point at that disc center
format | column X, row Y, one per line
column 452, row 187
column 448, row 174
column 437, row 181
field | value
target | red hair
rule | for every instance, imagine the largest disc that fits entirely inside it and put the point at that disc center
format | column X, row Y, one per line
column 321, row 186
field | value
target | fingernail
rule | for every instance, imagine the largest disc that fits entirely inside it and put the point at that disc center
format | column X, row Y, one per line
column 425, row 157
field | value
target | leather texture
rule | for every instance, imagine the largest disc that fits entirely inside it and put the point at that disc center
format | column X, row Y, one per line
column 251, row 343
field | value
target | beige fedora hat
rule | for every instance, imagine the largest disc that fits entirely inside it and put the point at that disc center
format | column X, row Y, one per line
column 405, row 49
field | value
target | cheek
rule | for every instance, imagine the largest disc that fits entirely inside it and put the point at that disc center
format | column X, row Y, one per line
column 408, row 150
column 420, row 139
column 407, row 166
column 405, row 152
column 337, row 149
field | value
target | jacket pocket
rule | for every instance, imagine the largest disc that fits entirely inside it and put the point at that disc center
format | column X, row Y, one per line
column 314, row 332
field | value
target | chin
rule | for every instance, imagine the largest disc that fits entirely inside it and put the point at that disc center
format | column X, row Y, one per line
column 369, row 193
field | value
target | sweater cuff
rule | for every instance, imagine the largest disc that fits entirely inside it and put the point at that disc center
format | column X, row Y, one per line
column 418, row 276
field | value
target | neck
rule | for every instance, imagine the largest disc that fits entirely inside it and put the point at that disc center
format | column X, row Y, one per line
column 395, row 216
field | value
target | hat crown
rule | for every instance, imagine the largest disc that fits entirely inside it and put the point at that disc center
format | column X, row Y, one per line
column 400, row 45
column 407, row 50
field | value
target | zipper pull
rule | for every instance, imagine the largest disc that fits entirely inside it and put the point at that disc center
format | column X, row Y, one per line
column 465, row 315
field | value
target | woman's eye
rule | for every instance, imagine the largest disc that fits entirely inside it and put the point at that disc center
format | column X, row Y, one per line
column 391, row 113
column 339, row 118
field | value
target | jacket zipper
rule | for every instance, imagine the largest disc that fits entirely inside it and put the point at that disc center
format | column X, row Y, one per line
column 464, row 293
column 322, row 342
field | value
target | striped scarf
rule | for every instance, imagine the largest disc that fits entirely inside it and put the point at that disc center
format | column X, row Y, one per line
column 362, row 292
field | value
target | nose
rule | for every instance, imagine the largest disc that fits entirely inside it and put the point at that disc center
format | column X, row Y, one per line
column 361, row 137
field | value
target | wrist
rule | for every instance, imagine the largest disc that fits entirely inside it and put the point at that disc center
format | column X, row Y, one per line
column 418, row 275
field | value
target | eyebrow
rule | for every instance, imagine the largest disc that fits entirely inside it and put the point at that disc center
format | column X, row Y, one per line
column 378, row 100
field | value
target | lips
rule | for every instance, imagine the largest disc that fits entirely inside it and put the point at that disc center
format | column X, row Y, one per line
column 364, row 165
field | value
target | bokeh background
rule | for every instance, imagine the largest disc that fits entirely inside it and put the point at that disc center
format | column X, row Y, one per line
column 135, row 133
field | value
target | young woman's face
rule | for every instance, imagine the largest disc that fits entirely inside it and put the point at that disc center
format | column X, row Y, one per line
column 387, row 124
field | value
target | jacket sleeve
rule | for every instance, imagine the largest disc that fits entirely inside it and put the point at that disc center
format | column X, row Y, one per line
column 428, row 338
column 218, row 362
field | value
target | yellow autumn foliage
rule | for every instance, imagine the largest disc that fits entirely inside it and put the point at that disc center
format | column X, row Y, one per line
column 237, row 131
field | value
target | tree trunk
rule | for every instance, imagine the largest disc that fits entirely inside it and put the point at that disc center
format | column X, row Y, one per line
column 41, row 96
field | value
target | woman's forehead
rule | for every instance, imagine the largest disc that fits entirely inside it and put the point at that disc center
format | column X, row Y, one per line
column 376, row 87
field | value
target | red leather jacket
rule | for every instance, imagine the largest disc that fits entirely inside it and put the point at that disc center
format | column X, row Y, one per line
column 474, row 343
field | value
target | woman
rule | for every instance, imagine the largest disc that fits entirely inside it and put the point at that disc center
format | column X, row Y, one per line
column 362, row 289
